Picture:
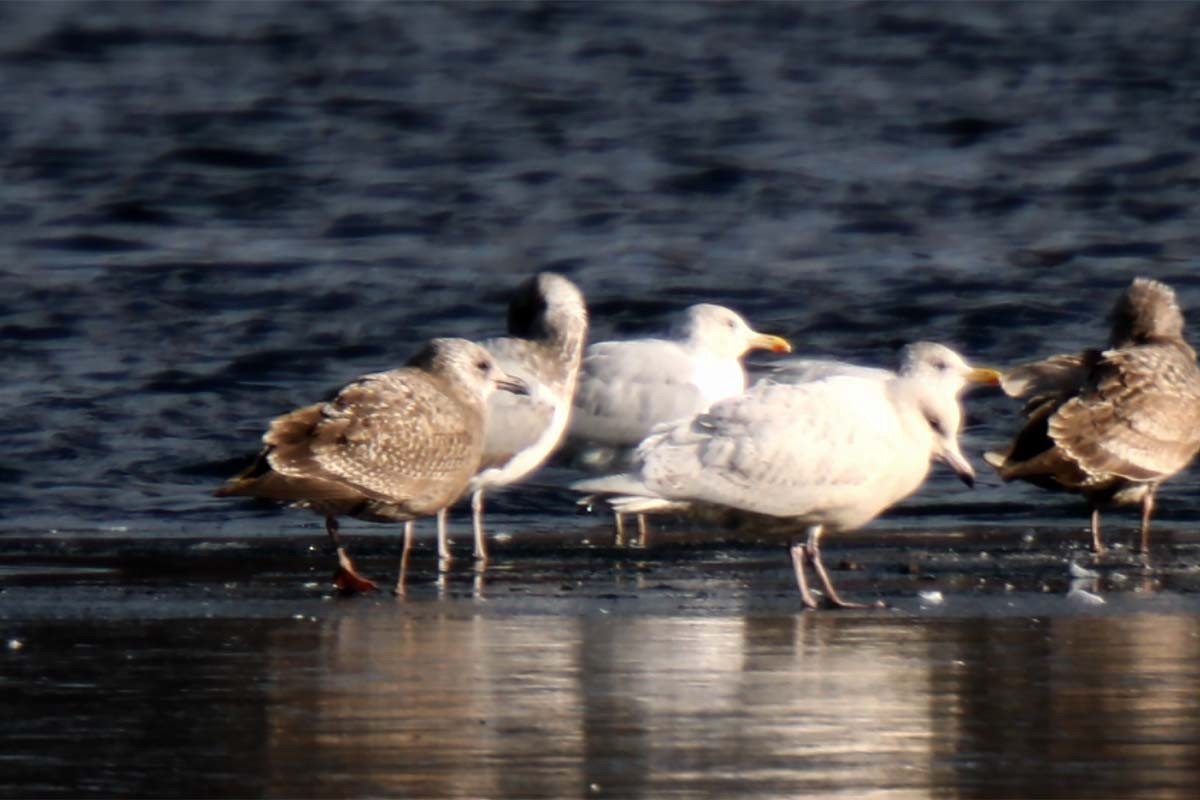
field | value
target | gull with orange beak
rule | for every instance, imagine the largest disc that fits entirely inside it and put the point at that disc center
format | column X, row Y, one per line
column 628, row 388
column 830, row 454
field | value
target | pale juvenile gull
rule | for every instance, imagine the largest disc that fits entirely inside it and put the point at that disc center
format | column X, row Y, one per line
column 389, row 447
column 547, row 326
column 1111, row 424
column 627, row 388
column 831, row 454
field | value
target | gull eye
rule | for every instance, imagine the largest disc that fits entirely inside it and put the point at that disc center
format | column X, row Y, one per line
column 482, row 365
column 936, row 424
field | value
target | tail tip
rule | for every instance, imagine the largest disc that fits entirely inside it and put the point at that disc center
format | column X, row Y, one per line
column 994, row 459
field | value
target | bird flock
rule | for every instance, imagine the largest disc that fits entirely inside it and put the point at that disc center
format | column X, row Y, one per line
column 670, row 425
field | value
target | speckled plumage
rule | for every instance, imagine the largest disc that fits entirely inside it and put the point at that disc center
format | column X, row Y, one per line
column 1111, row 424
column 390, row 446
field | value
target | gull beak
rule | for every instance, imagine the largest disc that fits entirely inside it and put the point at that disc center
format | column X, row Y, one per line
column 954, row 459
column 765, row 341
column 510, row 384
column 984, row 376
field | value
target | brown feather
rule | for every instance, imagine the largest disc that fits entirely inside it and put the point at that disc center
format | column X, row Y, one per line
column 1053, row 377
column 1138, row 418
column 1101, row 423
column 389, row 446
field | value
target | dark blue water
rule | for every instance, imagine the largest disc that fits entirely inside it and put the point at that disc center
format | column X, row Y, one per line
column 213, row 212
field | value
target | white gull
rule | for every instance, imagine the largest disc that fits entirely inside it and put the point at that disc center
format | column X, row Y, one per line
column 831, row 454
column 629, row 387
column 547, row 326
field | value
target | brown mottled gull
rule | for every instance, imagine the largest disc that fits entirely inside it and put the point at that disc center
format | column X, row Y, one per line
column 1111, row 424
column 547, row 326
column 389, row 447
column 627, row 388
column 831, row 454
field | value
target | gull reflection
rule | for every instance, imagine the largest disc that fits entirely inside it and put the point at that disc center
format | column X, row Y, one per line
column 439, row 699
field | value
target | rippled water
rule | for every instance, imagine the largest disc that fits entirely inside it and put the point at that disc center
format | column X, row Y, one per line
column 213, row 212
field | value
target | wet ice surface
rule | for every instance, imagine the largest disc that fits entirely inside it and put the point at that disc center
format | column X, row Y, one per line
column 571, row 667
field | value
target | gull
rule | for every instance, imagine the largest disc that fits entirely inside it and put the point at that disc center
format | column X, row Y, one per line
column 389, row 447
column 627, row 388
column 830, row 454
column 1111, row 424
column 547, row 326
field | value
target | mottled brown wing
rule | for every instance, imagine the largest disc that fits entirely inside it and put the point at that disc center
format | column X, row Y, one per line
column 391, row 435
column 289, row 434
column 1139, row 416
column 1033, row 456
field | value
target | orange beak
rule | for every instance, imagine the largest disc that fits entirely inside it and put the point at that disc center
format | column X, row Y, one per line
column 776, row 344
column 984, row 375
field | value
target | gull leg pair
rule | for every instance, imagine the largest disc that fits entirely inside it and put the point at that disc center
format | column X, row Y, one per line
column 347, row 578
column 619, row 524
column 1144, row 533
column 810, row 550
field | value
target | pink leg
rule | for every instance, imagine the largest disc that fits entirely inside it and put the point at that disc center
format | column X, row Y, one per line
column 1147, row 510
column 1097, row 543
column 814, row 552
column 619, row 526
column 477, row 523
column 443, row 537
column 799, row 555
column 347, row 579
column 400, row 590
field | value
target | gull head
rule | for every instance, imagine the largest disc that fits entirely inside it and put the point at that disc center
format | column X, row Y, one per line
column 1146, row 311
column 723, row 333
column 937, row 365
column 466, row 365
column 548, row 306
column 936, row 375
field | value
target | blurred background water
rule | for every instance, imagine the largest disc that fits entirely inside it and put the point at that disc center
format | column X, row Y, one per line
column 213, row 212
